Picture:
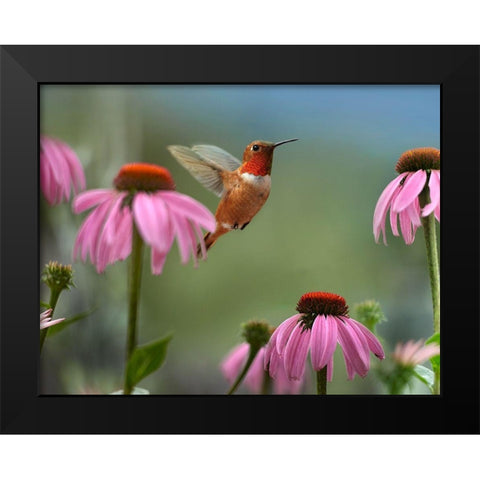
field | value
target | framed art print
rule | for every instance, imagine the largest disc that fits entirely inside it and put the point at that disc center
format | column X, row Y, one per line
column 218, row 238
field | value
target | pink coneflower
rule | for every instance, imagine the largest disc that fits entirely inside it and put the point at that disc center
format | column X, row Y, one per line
column 143, row 194
column 414, row 353
column 60, row 170
column 418, row 168
column 235, row 360
column 46, row 319
column 322, row 321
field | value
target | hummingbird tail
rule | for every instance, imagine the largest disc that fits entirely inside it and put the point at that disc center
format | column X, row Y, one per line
column 209, row 239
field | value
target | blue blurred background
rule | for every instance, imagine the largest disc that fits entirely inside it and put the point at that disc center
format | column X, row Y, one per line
column 314, row 232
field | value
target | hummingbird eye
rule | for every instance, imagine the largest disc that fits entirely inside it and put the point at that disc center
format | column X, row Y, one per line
column 255, row 148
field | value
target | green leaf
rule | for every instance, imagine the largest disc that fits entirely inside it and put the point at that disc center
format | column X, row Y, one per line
column 135, row 391
column 435, row 338
column 44, row 305
column 425, row 375
column 54, row 329
column 146, row 359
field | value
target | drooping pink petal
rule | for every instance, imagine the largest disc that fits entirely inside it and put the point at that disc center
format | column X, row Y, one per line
column 296, row 351
column 108, row 238
column 434, row 187
column 190, row 208
column 184, row 243
column 383, row 204
column 234, row 361
column 152, row 219
column 157, row 261
column 84, row 201
column 411, row 188
column 76, row 170
column 372, row 341
column 60, row 174
column 330, row 369
column 274, row 362
column 89, row 233
column 406, row 227
column 284, row 331
column 282, row 385
column 355, row 348
column 323, row 340
column 424, row 353
column 269, row 348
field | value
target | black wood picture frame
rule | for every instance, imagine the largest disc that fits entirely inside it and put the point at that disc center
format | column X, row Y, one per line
column 25, row 68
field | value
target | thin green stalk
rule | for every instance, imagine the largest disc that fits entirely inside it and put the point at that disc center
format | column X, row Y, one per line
column 134, row 277
column 429, row 230
column 54, row 296
column 251, row 356
column 322, row 381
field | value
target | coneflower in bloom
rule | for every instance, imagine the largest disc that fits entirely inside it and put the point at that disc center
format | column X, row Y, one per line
column 46, row 319
column 414, row 353
column 418, row 169
column 60, row 170
column 322, row 321
column 144, row 196
column 235, row 360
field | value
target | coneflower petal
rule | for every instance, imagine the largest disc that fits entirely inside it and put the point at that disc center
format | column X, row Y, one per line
column 323, row 340
column 411, row 188
column 296, row 352
column 284, row 331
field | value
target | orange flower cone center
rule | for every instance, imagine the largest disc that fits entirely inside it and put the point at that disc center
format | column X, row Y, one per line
column 144, row 177
column 424, row 158
column 322, row 303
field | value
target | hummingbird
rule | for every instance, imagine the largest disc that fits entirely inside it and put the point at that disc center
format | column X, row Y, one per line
column 243, row 187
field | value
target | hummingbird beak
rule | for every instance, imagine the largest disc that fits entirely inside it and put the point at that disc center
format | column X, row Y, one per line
column 284, row 141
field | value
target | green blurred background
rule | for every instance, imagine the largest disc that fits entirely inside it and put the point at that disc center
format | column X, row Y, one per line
column 314, row 232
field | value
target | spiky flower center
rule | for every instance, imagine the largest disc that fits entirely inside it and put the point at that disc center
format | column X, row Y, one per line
column 423, row 158
column 145, row 177
column 320, row 303
column 257, row 333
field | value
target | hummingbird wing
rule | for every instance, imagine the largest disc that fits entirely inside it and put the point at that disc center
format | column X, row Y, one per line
column 207, row 172
column 217, row 155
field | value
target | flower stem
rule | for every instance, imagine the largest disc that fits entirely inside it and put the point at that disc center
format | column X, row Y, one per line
column 251, row 355
column 54, row 296
column 322, row 381
column 429, row 230
column 134, row 277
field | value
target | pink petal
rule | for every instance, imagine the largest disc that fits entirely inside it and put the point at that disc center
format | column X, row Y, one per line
column 190, row 208
column 269, row 348
column 373, row 344
column 157, row 261
column 234, row 361
column 330, row 369
column 323, row 340
column 411, row 188
column 152, row 219
column 88, row 199
column 274, row 363
column 406, row 227
column 383, row 205
column 89, row 233
column 296, row 352
column 76, row 170
column 182, row 233
column 434, row 187
column 284, row 330
column 355, row 348
column 108, row 240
